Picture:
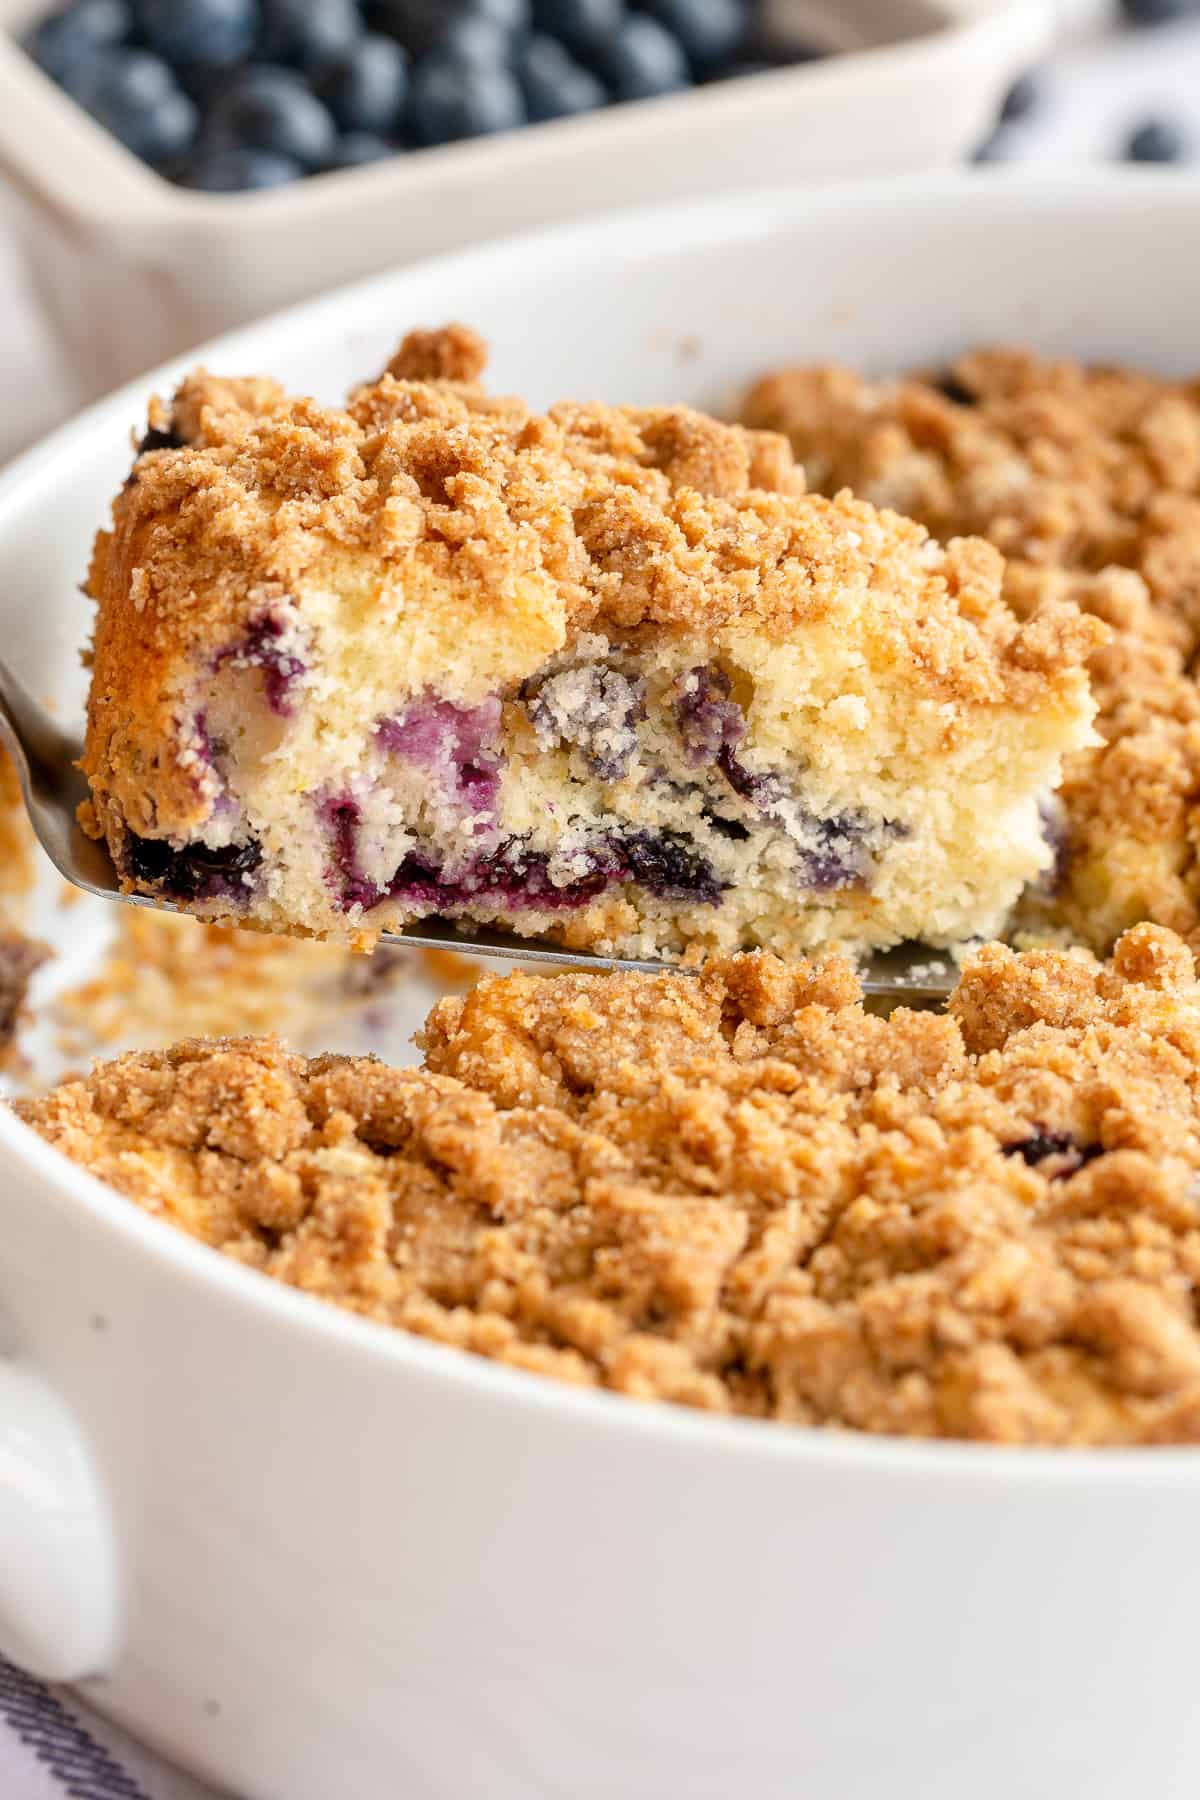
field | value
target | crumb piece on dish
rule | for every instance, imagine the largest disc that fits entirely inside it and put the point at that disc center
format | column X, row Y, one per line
column 20, row 958
column 453, row 353
column 739, row 1191
column 164, row 976
column 603, row 675
column 1088, row 480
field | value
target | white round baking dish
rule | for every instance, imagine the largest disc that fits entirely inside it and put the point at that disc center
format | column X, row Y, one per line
column 309, row 1558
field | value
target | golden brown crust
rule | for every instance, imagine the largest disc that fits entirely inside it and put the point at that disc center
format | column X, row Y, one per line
column 645, row 521
column 1088, row 479
column 741, row 1192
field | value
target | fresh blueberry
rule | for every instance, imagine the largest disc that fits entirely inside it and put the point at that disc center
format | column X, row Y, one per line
column 61, row 43
column 474, row 38
column 273, row 109
column 427, row 25
column 135, row 96
column 584, row 26
column 449, row 100
column 555, row 85
column 709, row 30
column 1157, row 141
column 996, row 148
column 308, row 32
column 1021, row 99
column 212, row 33
column 366, row 88
column 1158, row 12
column 234, row 171
column 643, row 60
column 358, row 148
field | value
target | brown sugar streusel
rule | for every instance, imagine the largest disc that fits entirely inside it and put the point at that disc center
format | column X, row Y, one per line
column 740, row 1191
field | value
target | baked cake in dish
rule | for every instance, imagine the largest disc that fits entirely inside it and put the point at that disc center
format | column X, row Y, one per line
column 1088, row 480
column 739, row 1191
column 605, row 675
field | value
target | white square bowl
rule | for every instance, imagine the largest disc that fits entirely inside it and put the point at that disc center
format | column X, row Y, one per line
column 132, row 269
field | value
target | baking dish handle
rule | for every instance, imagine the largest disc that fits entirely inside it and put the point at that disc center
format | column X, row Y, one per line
column 57, row 1563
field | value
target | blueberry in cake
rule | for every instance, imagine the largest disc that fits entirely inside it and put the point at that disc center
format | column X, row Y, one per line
column 1087, row 478
column 741, row 1192
column 605, row 675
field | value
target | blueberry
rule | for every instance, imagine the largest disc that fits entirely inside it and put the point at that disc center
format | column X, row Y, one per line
column 358, row 148
column 1057, row 1144
column 1157, row 141
column 709, row 30
column 643, row 60
column 993, row 149
column 449, row 100
column 555, row 85
column 425, row 25
column 1021, row 99
column 233, row 171
column 584, row 26
column 135, row 96
column 1158, row 12
column 61, row 43
column 194, row 873
column 213, row 33
column 308, row 32
column 365, row 89
column 273, row 109
column 474, row 38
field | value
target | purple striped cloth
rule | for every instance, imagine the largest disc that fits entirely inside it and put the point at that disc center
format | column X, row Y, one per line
column 54, row 1748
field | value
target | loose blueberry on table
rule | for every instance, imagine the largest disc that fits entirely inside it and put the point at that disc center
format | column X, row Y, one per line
column 1157, row 141
column 225, row 96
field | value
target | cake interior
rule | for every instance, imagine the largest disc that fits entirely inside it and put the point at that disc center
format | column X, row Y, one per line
column 775, row 794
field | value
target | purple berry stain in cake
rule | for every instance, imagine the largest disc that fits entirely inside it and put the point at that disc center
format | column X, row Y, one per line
column 833, row 852
column 593, row 707
column 341, row 815
column 710, row 722
column 265, row 647
column 458, row 745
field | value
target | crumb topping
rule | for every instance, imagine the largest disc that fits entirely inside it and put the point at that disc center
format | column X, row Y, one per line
column 741, row 1192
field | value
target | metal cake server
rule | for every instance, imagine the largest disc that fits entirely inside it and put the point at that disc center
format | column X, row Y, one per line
column 46, row 757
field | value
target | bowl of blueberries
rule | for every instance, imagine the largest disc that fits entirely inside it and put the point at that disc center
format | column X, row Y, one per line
column 186, row 165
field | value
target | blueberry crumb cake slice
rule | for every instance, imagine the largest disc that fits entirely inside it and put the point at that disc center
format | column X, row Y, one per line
column 606, row 675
